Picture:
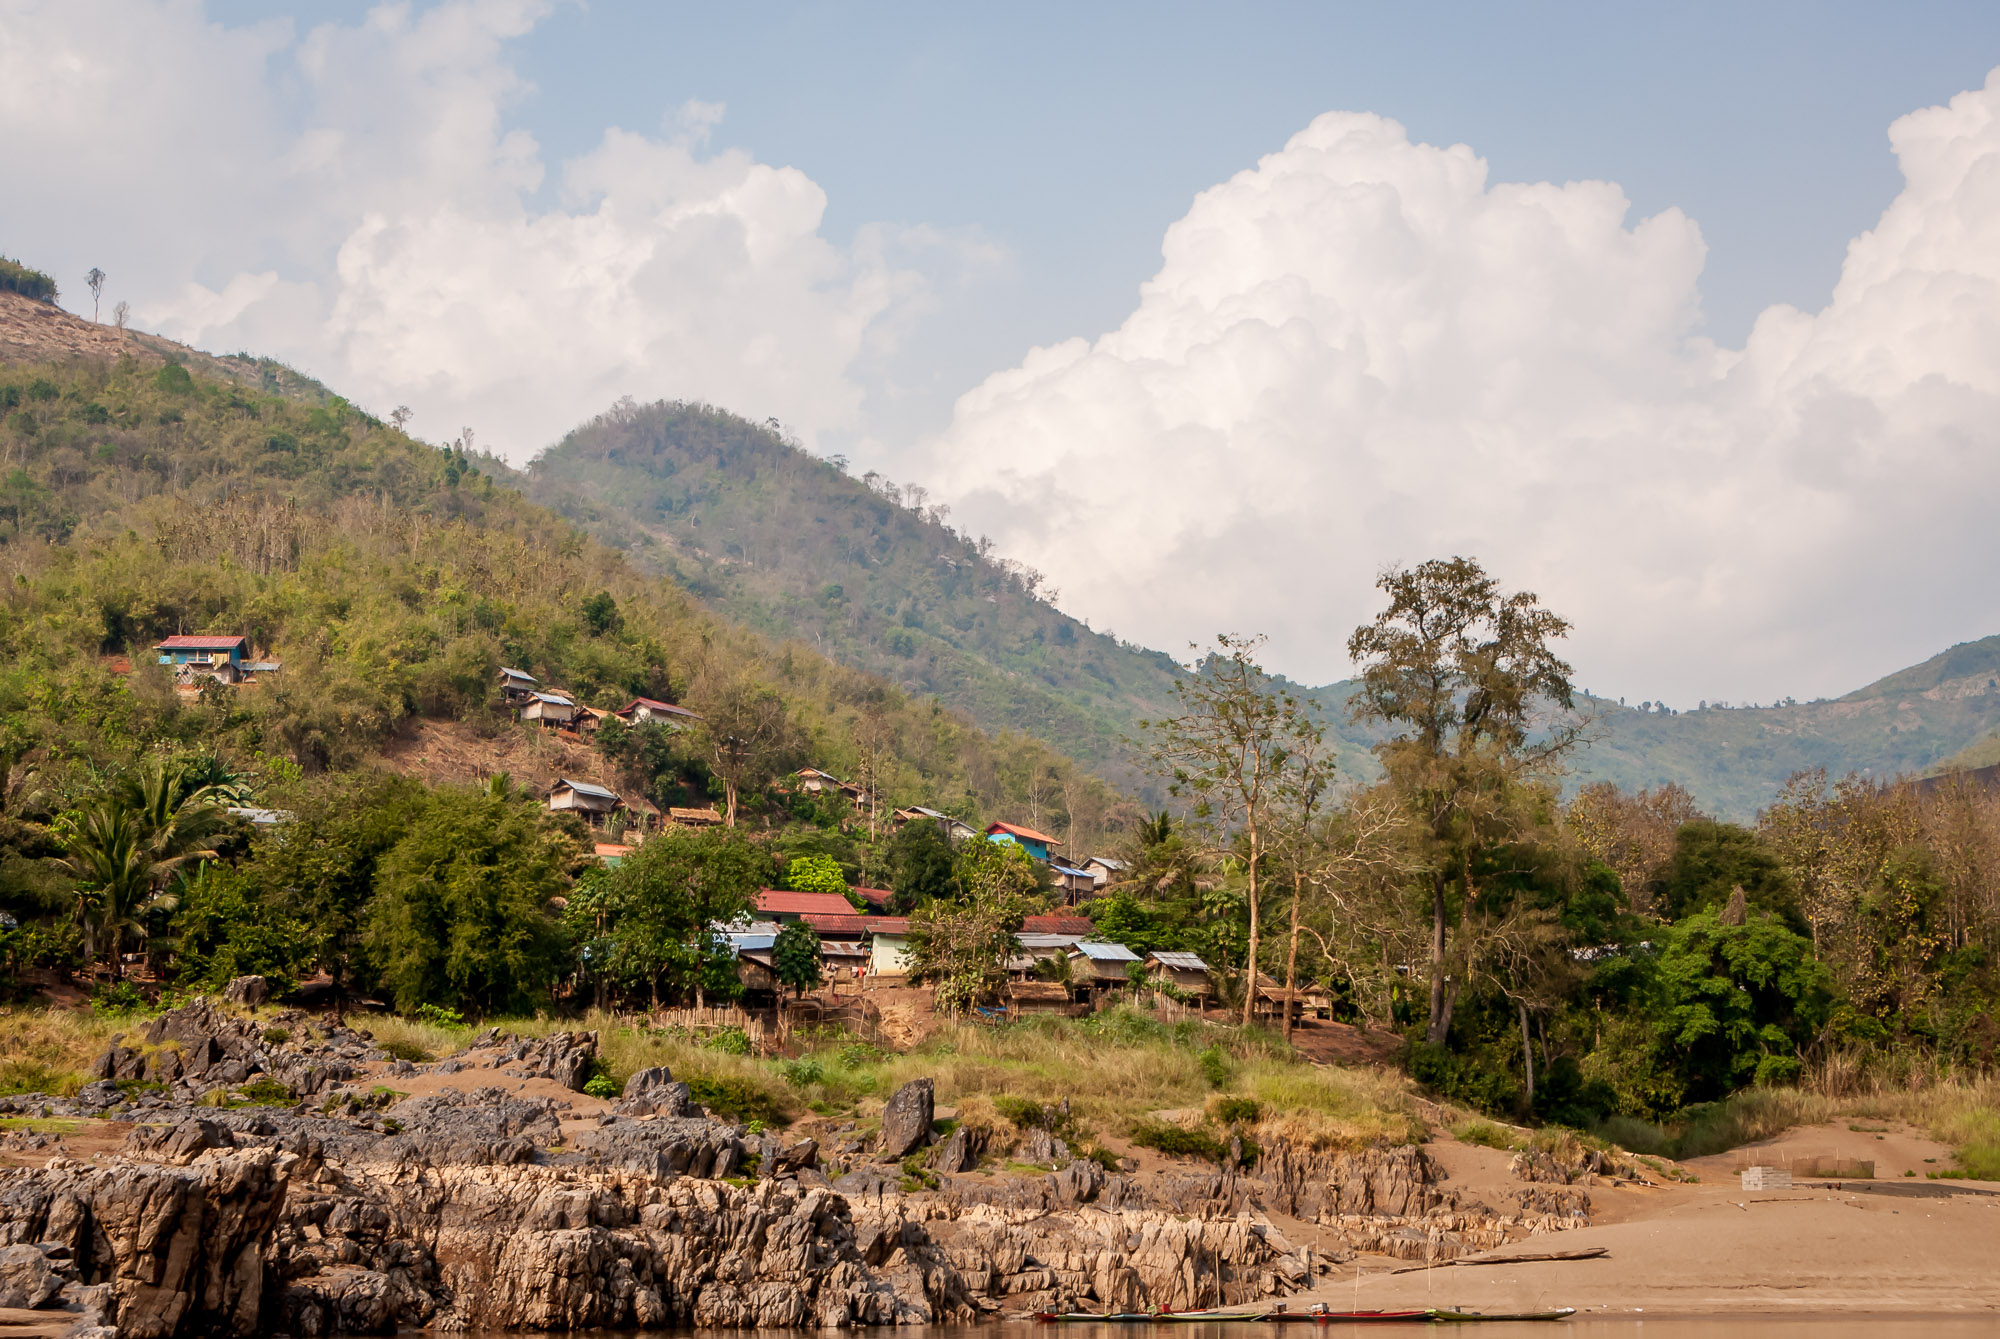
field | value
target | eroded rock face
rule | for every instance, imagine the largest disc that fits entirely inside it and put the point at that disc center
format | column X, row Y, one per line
column 198, row 1048
column 653, row 1092
column 906, row 1120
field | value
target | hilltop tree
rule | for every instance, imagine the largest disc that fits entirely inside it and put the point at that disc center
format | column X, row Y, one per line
column 96, row 281
column 749, row 736
column 1238, row 750
column 1463, row 668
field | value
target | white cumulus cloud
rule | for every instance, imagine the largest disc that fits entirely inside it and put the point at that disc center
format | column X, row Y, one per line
column 1363, row 352
column 354, row 199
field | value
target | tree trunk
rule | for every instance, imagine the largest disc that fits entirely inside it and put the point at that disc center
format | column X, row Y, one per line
column 1527, row 1053
column 1250, row 995
column 729, row 804
column 1292, row 959
column 1440, row 1021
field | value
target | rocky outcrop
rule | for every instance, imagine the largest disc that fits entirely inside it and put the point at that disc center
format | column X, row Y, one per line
column 198, row 1048
column 248, row 992
column 653, row 1092
column 906, row 1120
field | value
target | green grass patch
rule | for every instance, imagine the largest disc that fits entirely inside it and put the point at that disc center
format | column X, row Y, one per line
column 1178, row 1141
column 738, row 1100
column 1487, row 1135
column 41, row 1124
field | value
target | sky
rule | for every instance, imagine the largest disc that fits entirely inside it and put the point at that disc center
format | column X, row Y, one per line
column 1684, row 319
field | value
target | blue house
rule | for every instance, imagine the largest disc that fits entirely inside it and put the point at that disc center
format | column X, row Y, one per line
column 220, row 656
column 1035, row 843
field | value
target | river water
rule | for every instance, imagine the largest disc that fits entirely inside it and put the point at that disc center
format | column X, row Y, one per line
column 1625, row 1326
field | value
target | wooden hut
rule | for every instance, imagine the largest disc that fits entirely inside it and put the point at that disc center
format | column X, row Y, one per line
column 1185, row 971
column 594, row 803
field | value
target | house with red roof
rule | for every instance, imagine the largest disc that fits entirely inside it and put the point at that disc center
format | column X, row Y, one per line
column 221, row 657
column 1035, row 843
column 782, row 904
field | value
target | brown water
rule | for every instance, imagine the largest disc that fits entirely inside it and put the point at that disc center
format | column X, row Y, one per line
column 1626, row 1326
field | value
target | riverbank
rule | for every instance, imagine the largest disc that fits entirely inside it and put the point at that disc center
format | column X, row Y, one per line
column 1900, row 1242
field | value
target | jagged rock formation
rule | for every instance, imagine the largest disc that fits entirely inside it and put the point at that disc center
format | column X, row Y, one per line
column 906, row 1120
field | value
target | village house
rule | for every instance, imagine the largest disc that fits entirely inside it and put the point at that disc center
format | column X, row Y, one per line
column 815, row 782
column 594, row 803
column 641, row 814
column 1102, row 869
column 1044, row 937
column 693, row 818
column 551, row 709
column 889, row 946
column 517, row 685
column 641, row 710
column 1096, row 967
column 1035, row 843
column 948, row 825
column 218, row 657
column 1186, row 971
column 1073, row 883
column 781, row 904
column 587, row 719
column 1039, row 997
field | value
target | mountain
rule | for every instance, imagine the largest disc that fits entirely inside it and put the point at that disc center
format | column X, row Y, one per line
column 147, row 489
column 858, row 569
column 875, row 577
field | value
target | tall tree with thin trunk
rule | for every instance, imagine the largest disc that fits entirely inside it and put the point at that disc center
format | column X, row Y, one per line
column 96, row 281
column 750, row 738
column 1467, row 672
column 1235, row 748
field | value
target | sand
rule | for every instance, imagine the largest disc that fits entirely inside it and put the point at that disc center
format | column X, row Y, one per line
column 1893, row 1244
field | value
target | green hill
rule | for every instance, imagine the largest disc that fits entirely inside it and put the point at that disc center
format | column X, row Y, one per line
column 789, row 545
column 158, row 492
column 867, row 573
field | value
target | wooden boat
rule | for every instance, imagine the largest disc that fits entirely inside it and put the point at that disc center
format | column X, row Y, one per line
column 1416, row 1316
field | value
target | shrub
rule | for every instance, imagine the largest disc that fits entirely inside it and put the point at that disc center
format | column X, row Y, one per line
column 1215, row 1066
column 602, row 1085
column 440, row 1016
column 405, row 1050
column 730, row 1041
column 18, row 278
column 1239, row 1110
column 118, row 999
column 737, row 1100
column 267, row 1093
column 277, row 1036
column 1177, row 1141
column 803, row 1072
column 1486, row 1135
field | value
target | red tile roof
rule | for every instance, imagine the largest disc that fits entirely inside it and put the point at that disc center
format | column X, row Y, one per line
column 786, row 903
column 874, row 897
column 1057, row 925
column 178, row 642
column 1028, row 834
column 855, row 925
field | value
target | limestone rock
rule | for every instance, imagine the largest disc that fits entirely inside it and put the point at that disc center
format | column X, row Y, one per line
column 653, row 1092
column 251, row 992
column 26, row 1280
column 906, row 1120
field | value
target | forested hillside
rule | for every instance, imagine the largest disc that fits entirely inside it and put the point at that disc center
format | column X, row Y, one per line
column 874, row 576
column 859, row 568
column 392, row 579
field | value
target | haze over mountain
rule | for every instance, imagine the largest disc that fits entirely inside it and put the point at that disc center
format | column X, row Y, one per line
column 868, row 572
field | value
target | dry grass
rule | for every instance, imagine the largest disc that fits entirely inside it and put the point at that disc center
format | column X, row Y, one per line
column 51, row 1050
column 1333, row 1108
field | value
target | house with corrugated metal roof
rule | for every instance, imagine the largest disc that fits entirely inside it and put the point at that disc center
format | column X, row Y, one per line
column 1074, row 883
column 593, row 802
column 1185, row 970
column 552, row 709
column 782, row 904
column 642, row 710
column 198, row 656
column 1098, row 966
column 517, row 685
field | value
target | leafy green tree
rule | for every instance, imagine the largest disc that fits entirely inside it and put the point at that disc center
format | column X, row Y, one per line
column 462, row 914
column 656, row 916
column 600, row 614
column 962, row 949
column 795, row 955
column 816, row 874
column 997, row 871
column 1462, row 670
column 1235, row 747
column 1711, row 860
column 920, row 866
column 750, row 737
column 223, row 930
column 322, row 865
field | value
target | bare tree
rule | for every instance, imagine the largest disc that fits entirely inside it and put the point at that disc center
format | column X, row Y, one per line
column 1234, row 748
column 121, row 313
column 401, row 416
column 96, row 281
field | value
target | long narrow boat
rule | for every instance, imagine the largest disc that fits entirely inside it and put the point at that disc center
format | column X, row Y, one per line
column 1417, row 1316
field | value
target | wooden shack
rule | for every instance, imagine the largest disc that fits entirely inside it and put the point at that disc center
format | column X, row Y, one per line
column 594, row 803
column 1186, row 971
column 548, row 708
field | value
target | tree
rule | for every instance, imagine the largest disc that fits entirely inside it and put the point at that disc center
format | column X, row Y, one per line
column 920, row 864
column 600, row 614
column 1711, row 860
column 994, row 871
column 963, row 949
column 401, row 416
column 1237, row 749
column 1464, row 669
column 121, row 314
column 816, row 874
column 463, row 913
column 133, row 840
column 795, row 957
column 96, row 281
column 656, row 915
column 749, row 736
column 224, row 930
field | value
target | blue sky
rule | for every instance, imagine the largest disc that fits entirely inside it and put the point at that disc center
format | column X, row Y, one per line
column 1698, row 335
